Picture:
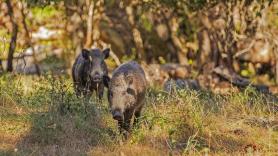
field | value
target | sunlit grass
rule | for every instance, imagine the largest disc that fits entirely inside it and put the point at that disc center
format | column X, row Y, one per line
column 43, row 115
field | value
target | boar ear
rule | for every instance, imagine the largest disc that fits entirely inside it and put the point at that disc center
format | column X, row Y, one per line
column 106, row 81
column 85, row 53
column 106, row 53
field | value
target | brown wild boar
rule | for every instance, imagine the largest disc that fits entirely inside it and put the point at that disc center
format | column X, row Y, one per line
column 89, row 72
column 126, row 94
column 171, row 86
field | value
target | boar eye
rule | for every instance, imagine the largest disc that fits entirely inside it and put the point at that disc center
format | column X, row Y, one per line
column 130, row 91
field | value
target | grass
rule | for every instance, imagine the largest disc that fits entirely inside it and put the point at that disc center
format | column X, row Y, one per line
column 42, row 116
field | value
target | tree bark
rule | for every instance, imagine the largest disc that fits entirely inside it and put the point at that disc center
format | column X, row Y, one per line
column 90, row 24
column 182, row 50
column 29, row 40
column 75, row 29
column 98, row 12
column 135, row 32
column 13, row 37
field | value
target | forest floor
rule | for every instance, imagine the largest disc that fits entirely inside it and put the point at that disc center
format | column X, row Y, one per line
column 42, row 116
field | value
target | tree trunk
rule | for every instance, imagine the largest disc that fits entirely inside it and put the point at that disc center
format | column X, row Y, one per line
column 75, row 29
column 13, row 37
column 135, row 32
column 29, row 40
column 90, row 24
column 98, row 11
column 182, row 50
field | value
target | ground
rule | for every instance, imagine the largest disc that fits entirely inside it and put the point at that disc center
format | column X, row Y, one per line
column 42, row 116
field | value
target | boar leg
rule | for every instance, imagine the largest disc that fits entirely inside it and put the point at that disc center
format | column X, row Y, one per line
column 137, row 116
column 127, row 119
column 120, row 125
column 86, row 92
column 122, row 128
column 100, row 91
column 77, row 89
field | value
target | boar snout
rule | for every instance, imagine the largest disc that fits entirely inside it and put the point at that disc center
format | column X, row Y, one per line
column 117, row 115
column 96, row 77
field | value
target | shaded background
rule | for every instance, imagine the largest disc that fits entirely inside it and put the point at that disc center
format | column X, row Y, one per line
column 236, row 38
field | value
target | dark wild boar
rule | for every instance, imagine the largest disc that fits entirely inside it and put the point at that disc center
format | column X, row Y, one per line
column 126, row 94
column 89, row 72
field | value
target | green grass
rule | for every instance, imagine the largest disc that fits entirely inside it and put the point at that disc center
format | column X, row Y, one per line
column 41, row 116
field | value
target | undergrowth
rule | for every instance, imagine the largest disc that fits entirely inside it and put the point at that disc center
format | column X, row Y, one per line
column 43, row 116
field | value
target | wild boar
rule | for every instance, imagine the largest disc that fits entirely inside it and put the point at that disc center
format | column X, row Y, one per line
column 172, row 86
column 126, row 94
column 89, row 72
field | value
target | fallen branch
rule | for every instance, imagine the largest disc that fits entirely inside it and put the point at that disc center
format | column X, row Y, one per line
column 231, row 76
column 244, row 50
column 237, row 80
